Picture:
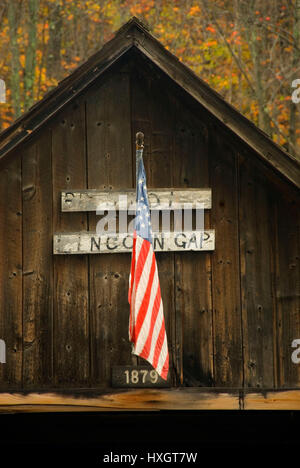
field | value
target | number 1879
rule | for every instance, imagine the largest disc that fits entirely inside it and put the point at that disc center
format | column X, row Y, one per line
column 140, row 376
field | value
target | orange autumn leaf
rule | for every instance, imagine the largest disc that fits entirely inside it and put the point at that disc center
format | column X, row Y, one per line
column 211, row 29
column 194, row 10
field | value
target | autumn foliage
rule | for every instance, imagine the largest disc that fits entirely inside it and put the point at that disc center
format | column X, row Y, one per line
column 247, row 51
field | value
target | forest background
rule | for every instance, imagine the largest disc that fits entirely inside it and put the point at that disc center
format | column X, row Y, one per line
column 247, row 50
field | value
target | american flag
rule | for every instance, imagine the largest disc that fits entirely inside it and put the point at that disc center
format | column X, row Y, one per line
column 146, row 324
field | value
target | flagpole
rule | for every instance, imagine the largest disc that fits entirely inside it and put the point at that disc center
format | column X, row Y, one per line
column 139, row 144
column 139, row 152
column 146, row 324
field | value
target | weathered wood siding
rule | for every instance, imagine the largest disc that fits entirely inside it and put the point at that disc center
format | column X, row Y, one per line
column 109, row 166
column 231, row 314
column 11, row 320
column 38, row 287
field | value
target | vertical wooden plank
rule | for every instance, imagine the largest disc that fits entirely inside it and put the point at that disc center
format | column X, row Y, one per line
column 160, row 168
column 71, row 322
column 256, row 251
column 193, row 269
column 11, row 272
column 152, row 114
column 288, row 288
column 37, row 262
column 228, row 360
column 109, row 167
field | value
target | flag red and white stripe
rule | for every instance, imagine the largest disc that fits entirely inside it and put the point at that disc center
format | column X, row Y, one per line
column 147, row 326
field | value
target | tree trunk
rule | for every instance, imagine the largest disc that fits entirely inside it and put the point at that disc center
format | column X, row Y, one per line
column 256, row 48
column 30, row 60
column 15, row 60
column 54, row 45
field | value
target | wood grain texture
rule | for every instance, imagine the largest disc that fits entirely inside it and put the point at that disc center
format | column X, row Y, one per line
column 109, row 148
column 129, row 400
column 11, row 272
column 228, row 358
column 71, row 287
column 288, row 400
column 159, row 199
column 287, row 287
column 256, row 221
column 37, row 262
column 193, row 270
column 151, row 400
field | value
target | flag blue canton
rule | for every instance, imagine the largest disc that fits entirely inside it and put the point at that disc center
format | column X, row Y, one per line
column 142, row 219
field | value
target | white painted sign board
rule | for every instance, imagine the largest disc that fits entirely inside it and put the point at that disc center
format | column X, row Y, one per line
column 91, row 243
column 159, row 199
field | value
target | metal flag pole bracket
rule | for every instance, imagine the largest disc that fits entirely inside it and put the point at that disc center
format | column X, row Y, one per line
column 139, row 152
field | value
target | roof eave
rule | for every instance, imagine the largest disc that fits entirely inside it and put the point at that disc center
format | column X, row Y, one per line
column 67, row 89
column 135, row 34
column 259, row 141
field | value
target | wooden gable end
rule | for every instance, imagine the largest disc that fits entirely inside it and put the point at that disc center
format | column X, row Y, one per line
column 231, row 314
